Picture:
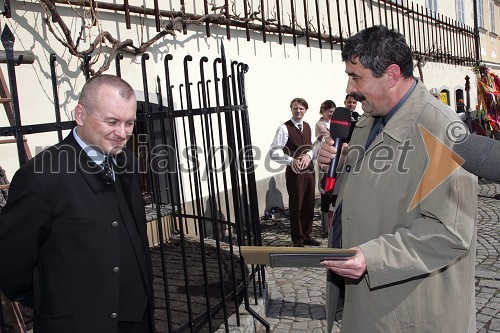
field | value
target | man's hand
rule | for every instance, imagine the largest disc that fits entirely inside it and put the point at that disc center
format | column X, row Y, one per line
column 300, row 163
column 327, row 152
column 354, row 267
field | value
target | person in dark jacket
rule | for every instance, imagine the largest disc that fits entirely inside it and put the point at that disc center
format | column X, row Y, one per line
column 73, row 241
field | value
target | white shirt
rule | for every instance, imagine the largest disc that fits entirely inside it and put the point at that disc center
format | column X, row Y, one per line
column 92, row 153
column 276, row 151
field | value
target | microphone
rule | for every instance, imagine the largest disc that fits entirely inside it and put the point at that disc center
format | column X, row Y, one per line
column 340, row 125
column 481, row 155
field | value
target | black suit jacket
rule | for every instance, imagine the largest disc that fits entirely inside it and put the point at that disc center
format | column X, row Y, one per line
column 59, row 240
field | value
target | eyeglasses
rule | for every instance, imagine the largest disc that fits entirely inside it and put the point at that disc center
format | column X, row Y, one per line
column 112, row 122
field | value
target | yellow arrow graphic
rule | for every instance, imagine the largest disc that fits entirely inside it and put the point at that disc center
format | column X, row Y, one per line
column 442, row 163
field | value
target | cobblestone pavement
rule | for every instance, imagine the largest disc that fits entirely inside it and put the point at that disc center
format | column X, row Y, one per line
column 297, row 295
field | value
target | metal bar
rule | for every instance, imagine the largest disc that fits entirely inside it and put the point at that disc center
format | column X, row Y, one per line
column 379, row 12
column 465, row 53
column 467, row 92
column 209, row 147
column 53, row 4
column 154, row 181
column 92, row 12
column 392, row 15
column 371, row 10
column 414, row 28
column 408, row 23
column 340, row 25
column 177, row 195
column 157, row 15
column 239, row 141
column 445, row 39
column 118, row 70
column 278, row 17
column 159, row 226
column 181, row 86
column 472, row 47
column 232, row 146
column 460, row 42
column 224, row 177
column 207, row 23
column 385, row 14
column 398, row 9
column 20, row 57
column 434, row 34
column 364, row 15
column 262, row 11
column 419, row 32
column 197, row 184
column 228, row 26
column 8, row 40
column 189, row 16
column 245, row 11
column 454, row 41
column 318, row 23
column 463, row 45
column 126, row 9
column 449, row 39
column 306, row 20
column 356, row 15
column 55, row 94
column 7, row 9
column 429, row 30
column 442, row 41
column 35, row 128
column 86, row 66
column 329, row 23
column 248, row 159
column 183, row 11
column 476, row 32
column 347, row 16
column 292, row 12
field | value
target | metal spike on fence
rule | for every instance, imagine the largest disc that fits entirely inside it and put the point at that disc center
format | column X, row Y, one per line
column 8, row 40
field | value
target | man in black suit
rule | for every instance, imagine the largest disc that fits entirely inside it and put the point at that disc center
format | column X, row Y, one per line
column 73, row 241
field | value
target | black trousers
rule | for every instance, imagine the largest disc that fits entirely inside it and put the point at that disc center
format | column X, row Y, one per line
column 326, row 201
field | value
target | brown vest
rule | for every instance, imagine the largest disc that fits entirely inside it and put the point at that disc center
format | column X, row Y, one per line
column 298, row 142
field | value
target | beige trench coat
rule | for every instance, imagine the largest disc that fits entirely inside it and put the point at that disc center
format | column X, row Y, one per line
column 420, row 261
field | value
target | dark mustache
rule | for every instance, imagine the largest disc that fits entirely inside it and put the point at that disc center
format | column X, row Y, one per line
column 358, row 97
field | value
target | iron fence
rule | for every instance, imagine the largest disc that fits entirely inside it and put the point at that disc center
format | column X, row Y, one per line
column 324, row 23
column 201, row 205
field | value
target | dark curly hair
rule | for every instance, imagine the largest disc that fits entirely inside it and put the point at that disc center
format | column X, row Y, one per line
column 377, row 48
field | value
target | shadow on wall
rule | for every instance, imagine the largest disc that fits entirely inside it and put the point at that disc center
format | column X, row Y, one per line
column 274, row 197
column 212, row 224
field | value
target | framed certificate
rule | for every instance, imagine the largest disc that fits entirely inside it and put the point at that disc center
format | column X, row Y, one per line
column 292, row 256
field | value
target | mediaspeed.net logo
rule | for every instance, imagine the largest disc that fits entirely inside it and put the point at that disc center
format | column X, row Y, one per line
column 443, row 161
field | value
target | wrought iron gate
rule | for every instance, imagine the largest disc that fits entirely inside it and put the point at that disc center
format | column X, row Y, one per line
column 199, row 185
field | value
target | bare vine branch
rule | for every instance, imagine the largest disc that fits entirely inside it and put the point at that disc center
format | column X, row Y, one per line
column 107, row 45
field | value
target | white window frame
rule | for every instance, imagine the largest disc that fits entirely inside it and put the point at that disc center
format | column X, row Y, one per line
column 492, row 17
column 459, row 4
column 480, row 13
column 432, row 5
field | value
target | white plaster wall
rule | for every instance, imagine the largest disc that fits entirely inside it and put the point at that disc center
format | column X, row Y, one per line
column 277, row 74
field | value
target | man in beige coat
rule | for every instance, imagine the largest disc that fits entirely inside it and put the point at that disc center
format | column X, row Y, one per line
column 415, row 231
